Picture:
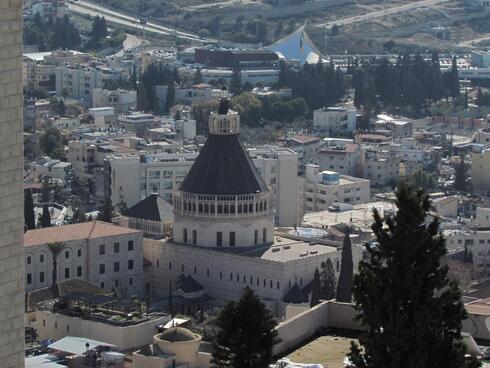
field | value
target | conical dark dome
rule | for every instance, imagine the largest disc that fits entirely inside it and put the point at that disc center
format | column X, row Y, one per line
column 223, row 167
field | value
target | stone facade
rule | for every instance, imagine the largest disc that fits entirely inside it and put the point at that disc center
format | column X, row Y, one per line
column 11, row 187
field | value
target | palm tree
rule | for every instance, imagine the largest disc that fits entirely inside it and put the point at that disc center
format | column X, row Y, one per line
column 56, row 248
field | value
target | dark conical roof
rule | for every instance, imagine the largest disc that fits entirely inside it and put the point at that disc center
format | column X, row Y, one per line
column 153, row 208
column 223, row 167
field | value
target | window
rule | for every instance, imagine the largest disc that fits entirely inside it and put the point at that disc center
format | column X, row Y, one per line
column 41, row 276
column 244, row 279
column 56, row 325
column 67, row 254
column 256, row 237
column 182, row 268
column 79, row 252
column 102, row 249
column 29, row 279
column 130, row 264
column 67, row 273
column 207, row 272
column 220, row 275
column 29, row 260
column 41, row 258
column 264, row 235
column 167, row 185
column 116, row 283
column 184, row 235
column 219, row 239
column 258, row 281
column 102, row 285
column 79, row 271
column 116, row 247
column 194, row 237
column 169, row 265
column 265, row 283
column 67, row 328
column 130, row 245
column 195, row 269
column 232, row 238
column 102, row 269
column 231, row 277
column 271, row 284
column 277, row 285
column 116, row 266
column 130, row 281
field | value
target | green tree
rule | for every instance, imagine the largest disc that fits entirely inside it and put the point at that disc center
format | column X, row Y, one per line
column 51, row 141
column 344, row 287
column 249, row 107
column 45, row 217
column 236, row 80
column 246, row 334
column 198, row 76
column 329, row 280
column 316, row 289
column 78, row 216
column 106, row 212
column 460, row 183
column 55, row 248
column 200, row 112
column 29, row 217
column 410, row 308
column 99, row 28
column 423, row 179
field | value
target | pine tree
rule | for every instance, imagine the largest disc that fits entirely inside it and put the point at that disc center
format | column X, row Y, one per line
column 410, row 308
column 170, row 96
column 198, row 76
column 45, row 218
column 246, row 334
column 79, row 215
column 29, row 217
column 106, row 212
column 344, row 287
column 460, row 183
column 236, row 80
column 328, row 280
column 315, row 289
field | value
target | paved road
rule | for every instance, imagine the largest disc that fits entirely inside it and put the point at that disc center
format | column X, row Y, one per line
column 381, row 13
column 218, row 4
column 86, row 8
column 130, row 43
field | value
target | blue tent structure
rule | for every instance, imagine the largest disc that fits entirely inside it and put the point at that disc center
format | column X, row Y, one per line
column 296, row 46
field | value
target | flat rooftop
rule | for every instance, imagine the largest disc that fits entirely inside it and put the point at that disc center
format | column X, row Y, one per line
column 284, row 250
column 329, row 350
column 361, row 215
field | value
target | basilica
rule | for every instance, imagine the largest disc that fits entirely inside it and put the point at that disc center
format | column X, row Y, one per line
column 223, row 234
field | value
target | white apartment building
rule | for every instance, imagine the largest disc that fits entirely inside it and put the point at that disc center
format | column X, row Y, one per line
column 307, row 148
column 138, row 122
column 381, row 169
column 65, row 122
column 77, row 82
column 96, row 252
column 121, row 100
column 408, row 150
column 50, row 9
column 335, row 120
column 47, row 167
column 321, row 189
column 86, row 158
column 343, row 158
column 195, row 94
column 135, row 177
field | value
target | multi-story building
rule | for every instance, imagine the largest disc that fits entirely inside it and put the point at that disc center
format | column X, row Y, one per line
column 380, row 167
column 480, row 169
column 96, row 252
column 336, row 120
column 343, row 158
column 121, row 100
column 12, row 332
column 50, row 9
column 479, row 58
column 138, row 122
column 54, row 169
column 307, row 148
column 39, row 75
column 195, row 94
column 322, row 189
column 135, row 177
column 77, row 82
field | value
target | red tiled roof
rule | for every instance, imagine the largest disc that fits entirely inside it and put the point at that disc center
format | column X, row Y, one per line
column 85, row 230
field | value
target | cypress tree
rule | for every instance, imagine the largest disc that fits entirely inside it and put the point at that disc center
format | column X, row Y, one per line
column 460, row 183
column 246, row 334
column 236, row 80
column 315, row 289
column 410, row 308
column 106, row 212
column 45, row 218
column 328, row 280
column 344, row 287
column 29, row 218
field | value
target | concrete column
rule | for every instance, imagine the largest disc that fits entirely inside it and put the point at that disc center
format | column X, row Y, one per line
column 11, row 187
